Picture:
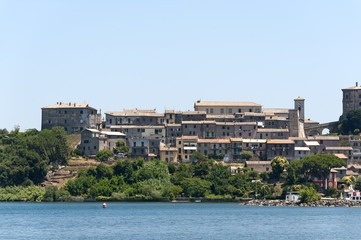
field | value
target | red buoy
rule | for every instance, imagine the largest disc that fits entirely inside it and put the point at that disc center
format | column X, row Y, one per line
column 104, row 205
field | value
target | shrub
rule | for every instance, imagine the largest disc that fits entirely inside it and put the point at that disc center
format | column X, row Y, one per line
column 104, row 155
column 309, row 194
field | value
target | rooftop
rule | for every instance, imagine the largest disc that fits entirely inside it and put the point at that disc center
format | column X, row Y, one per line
column 214, row 141
column 236, row 139
column 302, row 149
column 320, row 137
column 280, row 141
column 226, row 104
column 275, row 110
column 69, row 105
column 258, row 162
column 254, row 140
column 136, row 113
column 188, row 138
column 342, row 156
column 135, row 126
column 266, row 130
column 339, row 148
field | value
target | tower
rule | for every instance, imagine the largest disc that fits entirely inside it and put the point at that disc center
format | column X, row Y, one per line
column 300, row 106
column 351, row 99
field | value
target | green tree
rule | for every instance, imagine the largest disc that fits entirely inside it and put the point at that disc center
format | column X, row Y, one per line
column 332, row 192
column 278, row 165
column 309, row 194
column 198, row 156
column 246, row 155
column 195, row 187
column 349, row 180
column 104, row 155
column 352, row 122
column 358, row 184
column 320, row 165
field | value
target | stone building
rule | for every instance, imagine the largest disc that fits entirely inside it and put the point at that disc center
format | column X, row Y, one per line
column 73, row 117
column 351, row 99
column 142, row 131
column 93, row 141
column 215, row 147
column 255, row 146
column 347, row 151
column 272, row 133
column 280, row 148
column 133, row 117
column 236, row 148
column 227, row 108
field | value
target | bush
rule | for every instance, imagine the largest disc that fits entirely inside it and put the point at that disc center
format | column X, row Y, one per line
column 309, row 194
column 332, row 192
column 104, row 155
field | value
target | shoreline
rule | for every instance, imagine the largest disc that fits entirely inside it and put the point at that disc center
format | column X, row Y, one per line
column 284, row 203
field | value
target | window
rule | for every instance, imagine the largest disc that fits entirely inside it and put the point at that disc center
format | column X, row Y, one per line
column 211, row 110
column 81, row 111
column 230, row 110
column 222, row 110
column 346, row 96
column 207, row 110
column 195, row 126
column 185, row 126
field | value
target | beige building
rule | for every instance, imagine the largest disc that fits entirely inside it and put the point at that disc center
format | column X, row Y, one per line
column 168, row 154
column 73, row 117
column 227, row 108
column 186, row 146
column 259, row 166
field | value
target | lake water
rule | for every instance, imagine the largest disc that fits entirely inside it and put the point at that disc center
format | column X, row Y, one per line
column 175, row 221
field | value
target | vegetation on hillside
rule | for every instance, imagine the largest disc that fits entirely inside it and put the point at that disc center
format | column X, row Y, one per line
column 351, row 124
column 25, row 156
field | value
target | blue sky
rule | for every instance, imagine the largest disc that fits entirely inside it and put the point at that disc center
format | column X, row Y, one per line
column 148, row 54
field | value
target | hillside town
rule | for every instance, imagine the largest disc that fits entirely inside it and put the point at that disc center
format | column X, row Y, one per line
column 219, row 130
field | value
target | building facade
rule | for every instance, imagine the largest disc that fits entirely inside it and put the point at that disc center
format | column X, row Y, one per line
column 73, row 117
